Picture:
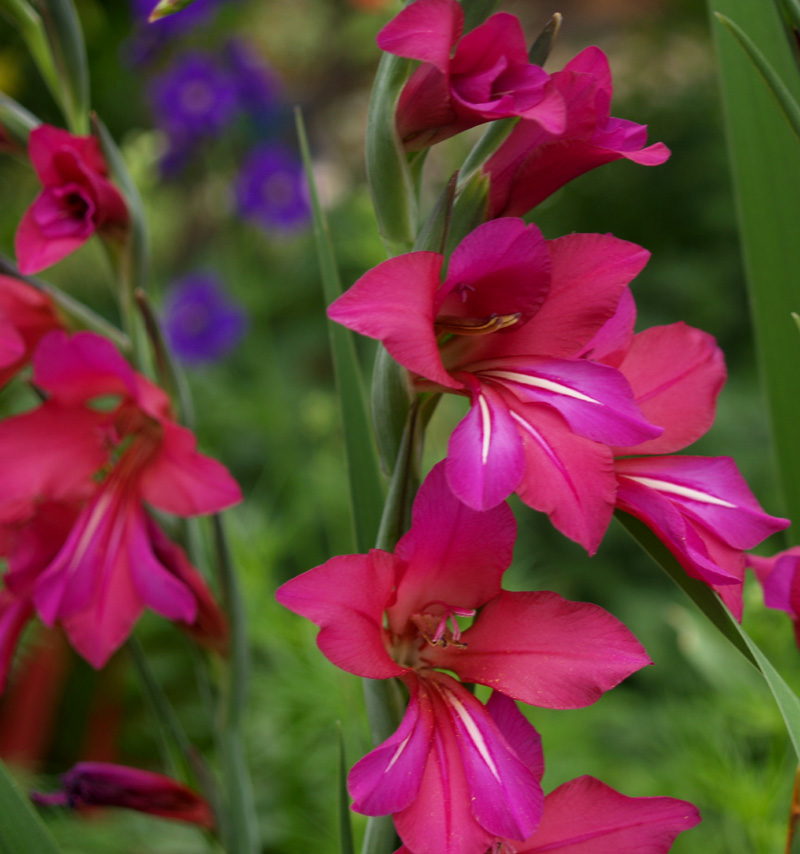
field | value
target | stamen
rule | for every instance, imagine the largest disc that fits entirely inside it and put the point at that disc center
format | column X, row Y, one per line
column 447, row 323
column 434, row 627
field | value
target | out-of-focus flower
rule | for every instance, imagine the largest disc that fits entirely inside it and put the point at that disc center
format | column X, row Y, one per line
column 201, row 323
column 103, row 784
column 535, row 161
column 257, row 85
column 25, row 316
column 271, row 190
column 77, row 199
column 103, row 465
column 385, row 615
column 194, row 98
column 463, row 82
column 149, row 38
column 507, row 329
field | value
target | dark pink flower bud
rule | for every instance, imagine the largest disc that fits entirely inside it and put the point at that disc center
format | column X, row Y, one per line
column 77, row 198
column 103, row 784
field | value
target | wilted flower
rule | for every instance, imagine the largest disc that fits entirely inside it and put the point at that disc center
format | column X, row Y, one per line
column 271, row 189
column 201, row 323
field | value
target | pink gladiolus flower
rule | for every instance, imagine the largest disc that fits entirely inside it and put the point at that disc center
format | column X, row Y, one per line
column 507, row 329
column 109, row 461
column 77, row 199
column 25, row 316
column 535, row 162
column 780, row 580
column 700, row 507
column 387, row 615
column 103, row 784
column 464, row 82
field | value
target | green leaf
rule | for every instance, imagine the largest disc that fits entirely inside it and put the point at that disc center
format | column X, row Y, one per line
column 366, row 483
column 16, row 122
column 782, row 95
column 541, row 48
column 345, row 827
column 765, row 160
column 708, row 602
column 477, row 11
column 391, row 182
column 65, row 37
column 21, row 830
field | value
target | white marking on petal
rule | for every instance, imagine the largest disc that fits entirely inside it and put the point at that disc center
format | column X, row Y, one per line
column 539, row 382
column 683, row 491
column 486, row 423
column 401, row 747
column 474, row 733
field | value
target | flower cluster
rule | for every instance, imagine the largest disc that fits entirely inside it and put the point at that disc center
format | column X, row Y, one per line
column 568, row 408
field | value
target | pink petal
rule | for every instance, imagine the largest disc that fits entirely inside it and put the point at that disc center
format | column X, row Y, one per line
column 46, row 142
column 182, row 481
column 35, row 251
column 544, row 650
column 12, row 346
column 76, row 368
column 568, row 477
column 394, row 303
column 452, row 554
column 49, row 453
column 425, row 113
column 584, row 816
column 672, row 527
column 590, row 274
column 518, row 732
column 14, row 615
column 485, row 458
column 591, row 60
column 613, row 340
column 595, row 400
column 676, row 373
column 388, row 778
column 346, row 598
column 709, row 490
column 426, row 30
column 502, row 267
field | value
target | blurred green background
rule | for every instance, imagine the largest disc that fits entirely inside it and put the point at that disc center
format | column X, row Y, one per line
column 698, row 725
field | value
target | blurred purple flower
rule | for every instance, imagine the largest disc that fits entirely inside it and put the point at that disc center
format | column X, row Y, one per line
column 193, row 98
column 271, row 189
column 257, row 85
column 201, row 323
column 147, row 39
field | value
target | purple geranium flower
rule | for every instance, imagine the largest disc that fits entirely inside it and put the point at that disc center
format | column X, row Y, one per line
column 194, row 98
column 271, row 189
column 201, row 323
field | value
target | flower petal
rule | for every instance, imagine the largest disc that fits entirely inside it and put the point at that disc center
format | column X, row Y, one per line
column 518, row 732
column 35, row 251
column 426, row 30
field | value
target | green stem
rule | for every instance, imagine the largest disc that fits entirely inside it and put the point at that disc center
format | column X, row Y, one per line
column 242, row 830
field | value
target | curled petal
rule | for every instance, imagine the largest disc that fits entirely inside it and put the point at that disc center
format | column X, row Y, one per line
column 426, row 30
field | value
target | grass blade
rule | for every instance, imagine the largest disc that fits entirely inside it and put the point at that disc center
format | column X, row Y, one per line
column 21, row 830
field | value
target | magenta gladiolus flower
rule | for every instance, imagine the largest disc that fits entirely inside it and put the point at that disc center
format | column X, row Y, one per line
column 77, row 199
column 103, row 784
column 700, row 507
column 110, row 460
column 25, row 316
column 535, row 161
column 387, row 615
column 507, row 328
column 467, row 81
column 780, row 580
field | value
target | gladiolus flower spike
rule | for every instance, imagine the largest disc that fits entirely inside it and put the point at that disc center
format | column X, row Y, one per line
column 385, row 615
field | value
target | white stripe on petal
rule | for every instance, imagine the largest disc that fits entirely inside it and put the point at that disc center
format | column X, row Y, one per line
column 401, row 747
column 538, row 382
column 683, row 491
column 486, row 423
column 474, row 733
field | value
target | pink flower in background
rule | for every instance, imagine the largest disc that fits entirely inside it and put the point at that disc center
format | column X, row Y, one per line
column 77, row 199
column 535, row 161
column 108, row 460
column 387, row 615
column 508, row 328
column 465, row 81
column 26, row 314
column 103, row 784
column 700, row 507
column 780, row 580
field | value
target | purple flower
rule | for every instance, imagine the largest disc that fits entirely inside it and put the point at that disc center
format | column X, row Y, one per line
column 148, row 39
column 257, row 85
column 194, row 98
column 271, row 189
column 201, row 324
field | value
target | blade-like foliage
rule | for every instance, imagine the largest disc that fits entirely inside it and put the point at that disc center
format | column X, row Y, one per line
column 21, row 830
